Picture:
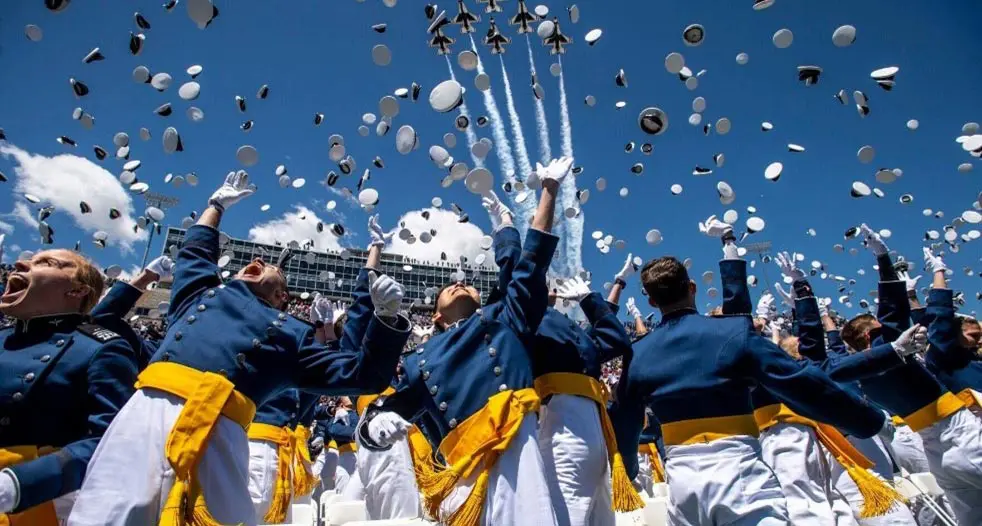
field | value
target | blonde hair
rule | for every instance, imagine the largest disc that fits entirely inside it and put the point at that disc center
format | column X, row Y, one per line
column 88, row 275
column 790, row 346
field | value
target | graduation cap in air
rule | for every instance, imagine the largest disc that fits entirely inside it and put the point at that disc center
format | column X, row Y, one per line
column 136, row 42
column 78, row 87
column 285, row 255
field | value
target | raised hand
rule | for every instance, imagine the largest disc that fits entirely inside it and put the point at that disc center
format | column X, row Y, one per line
column 632, row 308
column 788, row 265
column 163, row 267
column 933, row 262
column 557, row 170
column 627, row 270
column 873, row 240
column 235, row 188
column 386, row 294
column 378, row 236
column 911, row 341
column 767, row 306
column 909, row 281
column 574, row 289
column 496, row 209
column 713, row 227
column 786, row 297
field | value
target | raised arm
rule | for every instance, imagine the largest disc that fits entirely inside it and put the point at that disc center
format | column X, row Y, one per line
column 360, row 310
column 507, row 243
column 110, row 377
column 606, row 331
column 807, row 390
column 196, row 267
column 946, row 352
column 893, row 311
column 363, row 366
column 526, row 297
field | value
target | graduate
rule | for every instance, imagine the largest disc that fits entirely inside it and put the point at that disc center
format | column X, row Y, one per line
column 697, row 373
column 470, row 391
column 178, row 450
column 575, row 436
column 64, row 380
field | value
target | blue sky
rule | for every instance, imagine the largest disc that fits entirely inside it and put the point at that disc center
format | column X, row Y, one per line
column 316, row 57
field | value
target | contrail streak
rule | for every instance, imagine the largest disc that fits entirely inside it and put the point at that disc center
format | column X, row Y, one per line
column 469, row 132
column 545, row 151
column 527, row 208
column 501, row 145
column 574, row 230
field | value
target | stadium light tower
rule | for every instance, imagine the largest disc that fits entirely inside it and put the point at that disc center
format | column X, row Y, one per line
column 761, row 249
column 160, row 201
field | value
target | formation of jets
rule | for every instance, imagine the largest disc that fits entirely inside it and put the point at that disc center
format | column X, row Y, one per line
column 497, row 41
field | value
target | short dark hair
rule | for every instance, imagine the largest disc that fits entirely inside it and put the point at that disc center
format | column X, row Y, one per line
column 665, row 280
column 856, row 329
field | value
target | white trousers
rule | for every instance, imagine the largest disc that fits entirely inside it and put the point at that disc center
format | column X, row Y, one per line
column 388, row 482
column 645, row 481
column 876, row 451
column 263, row 463
column 347, row 464
column 954, row 453
column 329, row 468
column 723, row 482
column 518, row 492
column 575, row 457
column 795, row 455
column 129, row 476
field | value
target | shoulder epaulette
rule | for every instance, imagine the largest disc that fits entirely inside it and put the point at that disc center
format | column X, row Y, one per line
column 97, row 332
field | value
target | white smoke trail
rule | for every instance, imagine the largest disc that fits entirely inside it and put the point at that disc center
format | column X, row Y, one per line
column 527, row 208
column 469, row 132
column 545, row 150
column 567, row 197
column 501, row 146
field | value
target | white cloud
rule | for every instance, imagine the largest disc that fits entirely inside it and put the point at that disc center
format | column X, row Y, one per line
column 6, row 228
column 23, row 213
column 453, row 238
column 65, row 180
column 128, row 275
column 290, row 227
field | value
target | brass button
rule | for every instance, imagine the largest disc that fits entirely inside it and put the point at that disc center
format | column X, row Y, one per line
column 443, row 406
column 210, row 293
column 45, row 358
column 277, row 324
column 419, row 350
column 256, row 343
column 240, row 359
column 270, row 332
column 29, row 377
column 487, row 338
column 497, row 371
column 201, row 308
column 492, row 351
column 502, row 388
column 18, row 397
column 178, row 336
column 282, row 316
column 426, row 375
column 165, row 357
column 192, row 318
column 453, row 423
column 422, row 363
column 59, row 343
column 434, row 389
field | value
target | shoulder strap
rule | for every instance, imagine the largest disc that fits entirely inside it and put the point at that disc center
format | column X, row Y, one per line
column 97, row 332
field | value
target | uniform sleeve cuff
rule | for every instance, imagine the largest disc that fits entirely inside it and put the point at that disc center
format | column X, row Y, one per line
column 540, row 246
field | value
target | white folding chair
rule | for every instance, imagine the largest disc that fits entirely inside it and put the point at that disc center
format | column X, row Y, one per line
column 302, row 514
column 655, row 512
column 925, row 487
column 340, row 513
column 326, row 499
column 631, row 518
column 659, row 490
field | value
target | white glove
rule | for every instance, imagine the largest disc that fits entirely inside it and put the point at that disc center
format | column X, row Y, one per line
column 788, row 265
column 786, row 297
column 387, row 428
column 163, row 267
column 715, row 228
column 9, row 492
column 321, row 310
column 823, row 308
column 557, row 170
column 730, row 251
column 909, row 281
column 632, row 308
column 235, row 188
column 628, row 270
column 317, row 442
column 873, row 240
column 421, row 332
column 911, row 341
column 935, row 263
column 766, row 306
column 379, row 237
column 386, row 294
column 496, row 209
column 574, row 289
